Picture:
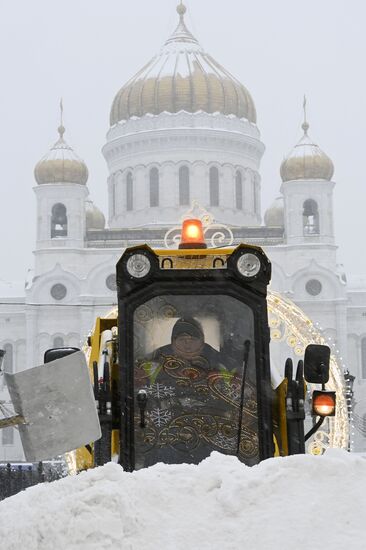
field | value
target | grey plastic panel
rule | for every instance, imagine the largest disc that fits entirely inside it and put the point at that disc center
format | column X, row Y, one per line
column 58, row 405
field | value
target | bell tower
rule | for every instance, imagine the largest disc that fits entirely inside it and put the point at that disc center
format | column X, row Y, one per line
column 61, row 194
column 307, row 188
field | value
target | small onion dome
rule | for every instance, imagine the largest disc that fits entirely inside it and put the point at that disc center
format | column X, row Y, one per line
column 94, row 218
column 182, row 77
column 306, row 161
column 61, row 165
column 275, row 215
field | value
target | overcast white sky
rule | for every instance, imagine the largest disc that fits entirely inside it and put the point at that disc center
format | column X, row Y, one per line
column 85, row 50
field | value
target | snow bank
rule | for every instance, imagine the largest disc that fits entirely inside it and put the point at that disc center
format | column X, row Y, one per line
column 300, row 502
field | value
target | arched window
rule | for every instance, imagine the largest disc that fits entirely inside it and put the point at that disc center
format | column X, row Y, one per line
column 7, row 436
column 58, row 221
column 8, row 361
column 363, row 357
column 239, row 190
column 58, row 342
column 129, row 191
column 154, row 187
column 310, row 217
column 214, row 186
column 184, row 198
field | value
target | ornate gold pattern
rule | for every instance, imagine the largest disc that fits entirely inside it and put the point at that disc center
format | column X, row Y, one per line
column 203, row 387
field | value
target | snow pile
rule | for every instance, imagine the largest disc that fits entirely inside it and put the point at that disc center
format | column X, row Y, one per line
column 299, row 502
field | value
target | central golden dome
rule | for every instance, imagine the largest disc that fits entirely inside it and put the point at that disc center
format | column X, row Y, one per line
column 182, row 77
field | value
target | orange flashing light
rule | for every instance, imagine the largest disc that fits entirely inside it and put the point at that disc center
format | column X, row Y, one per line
column 324, row 403
column 192, row 235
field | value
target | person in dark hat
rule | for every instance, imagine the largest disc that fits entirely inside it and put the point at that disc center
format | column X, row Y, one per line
column 188, row 345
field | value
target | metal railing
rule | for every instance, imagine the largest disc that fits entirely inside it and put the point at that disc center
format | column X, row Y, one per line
column 15, row 477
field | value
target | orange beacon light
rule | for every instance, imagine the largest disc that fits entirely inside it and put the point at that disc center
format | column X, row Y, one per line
column 192, row 235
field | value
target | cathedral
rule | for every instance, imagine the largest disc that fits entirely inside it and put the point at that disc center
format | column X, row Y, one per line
column 183, row 137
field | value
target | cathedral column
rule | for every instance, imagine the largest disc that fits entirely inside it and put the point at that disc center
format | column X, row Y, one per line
column 31, row 329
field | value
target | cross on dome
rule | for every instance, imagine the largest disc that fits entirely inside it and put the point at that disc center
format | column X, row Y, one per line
column 61, row 128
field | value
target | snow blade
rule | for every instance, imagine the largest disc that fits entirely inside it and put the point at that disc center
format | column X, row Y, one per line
column 57, row 403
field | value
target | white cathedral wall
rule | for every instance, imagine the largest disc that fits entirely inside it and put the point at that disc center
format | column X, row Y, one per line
column 83, row 273
column 81, row 262
column 73, row 324
column 73, row 197
column 293, row 267
column 169, row 211
column 310, row 259
column 12, row 332
column 356, row 321
column 295, row 194
column 167, row 142
column 12, row 451
column 188, row 122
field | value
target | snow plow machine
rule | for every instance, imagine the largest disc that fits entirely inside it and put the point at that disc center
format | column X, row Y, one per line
column 181, row 369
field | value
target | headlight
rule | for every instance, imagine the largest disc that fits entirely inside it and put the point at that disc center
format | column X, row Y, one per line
column 248, row 265
column 138, row 265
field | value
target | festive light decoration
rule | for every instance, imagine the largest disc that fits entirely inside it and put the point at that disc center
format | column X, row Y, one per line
column 290, row 326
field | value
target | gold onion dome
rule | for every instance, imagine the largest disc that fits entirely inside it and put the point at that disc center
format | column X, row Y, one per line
column 182, row 77
column 61, row 164
column 275, row 215
column 94, row 218
column 306, row 161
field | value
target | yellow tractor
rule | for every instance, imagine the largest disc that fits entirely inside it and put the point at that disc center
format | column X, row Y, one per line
column 183, row 369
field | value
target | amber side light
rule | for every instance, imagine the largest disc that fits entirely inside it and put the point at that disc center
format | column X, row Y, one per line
column 192, row 235
column 324, row 403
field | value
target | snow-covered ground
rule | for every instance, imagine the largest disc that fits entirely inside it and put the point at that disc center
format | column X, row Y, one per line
column 300, row 502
